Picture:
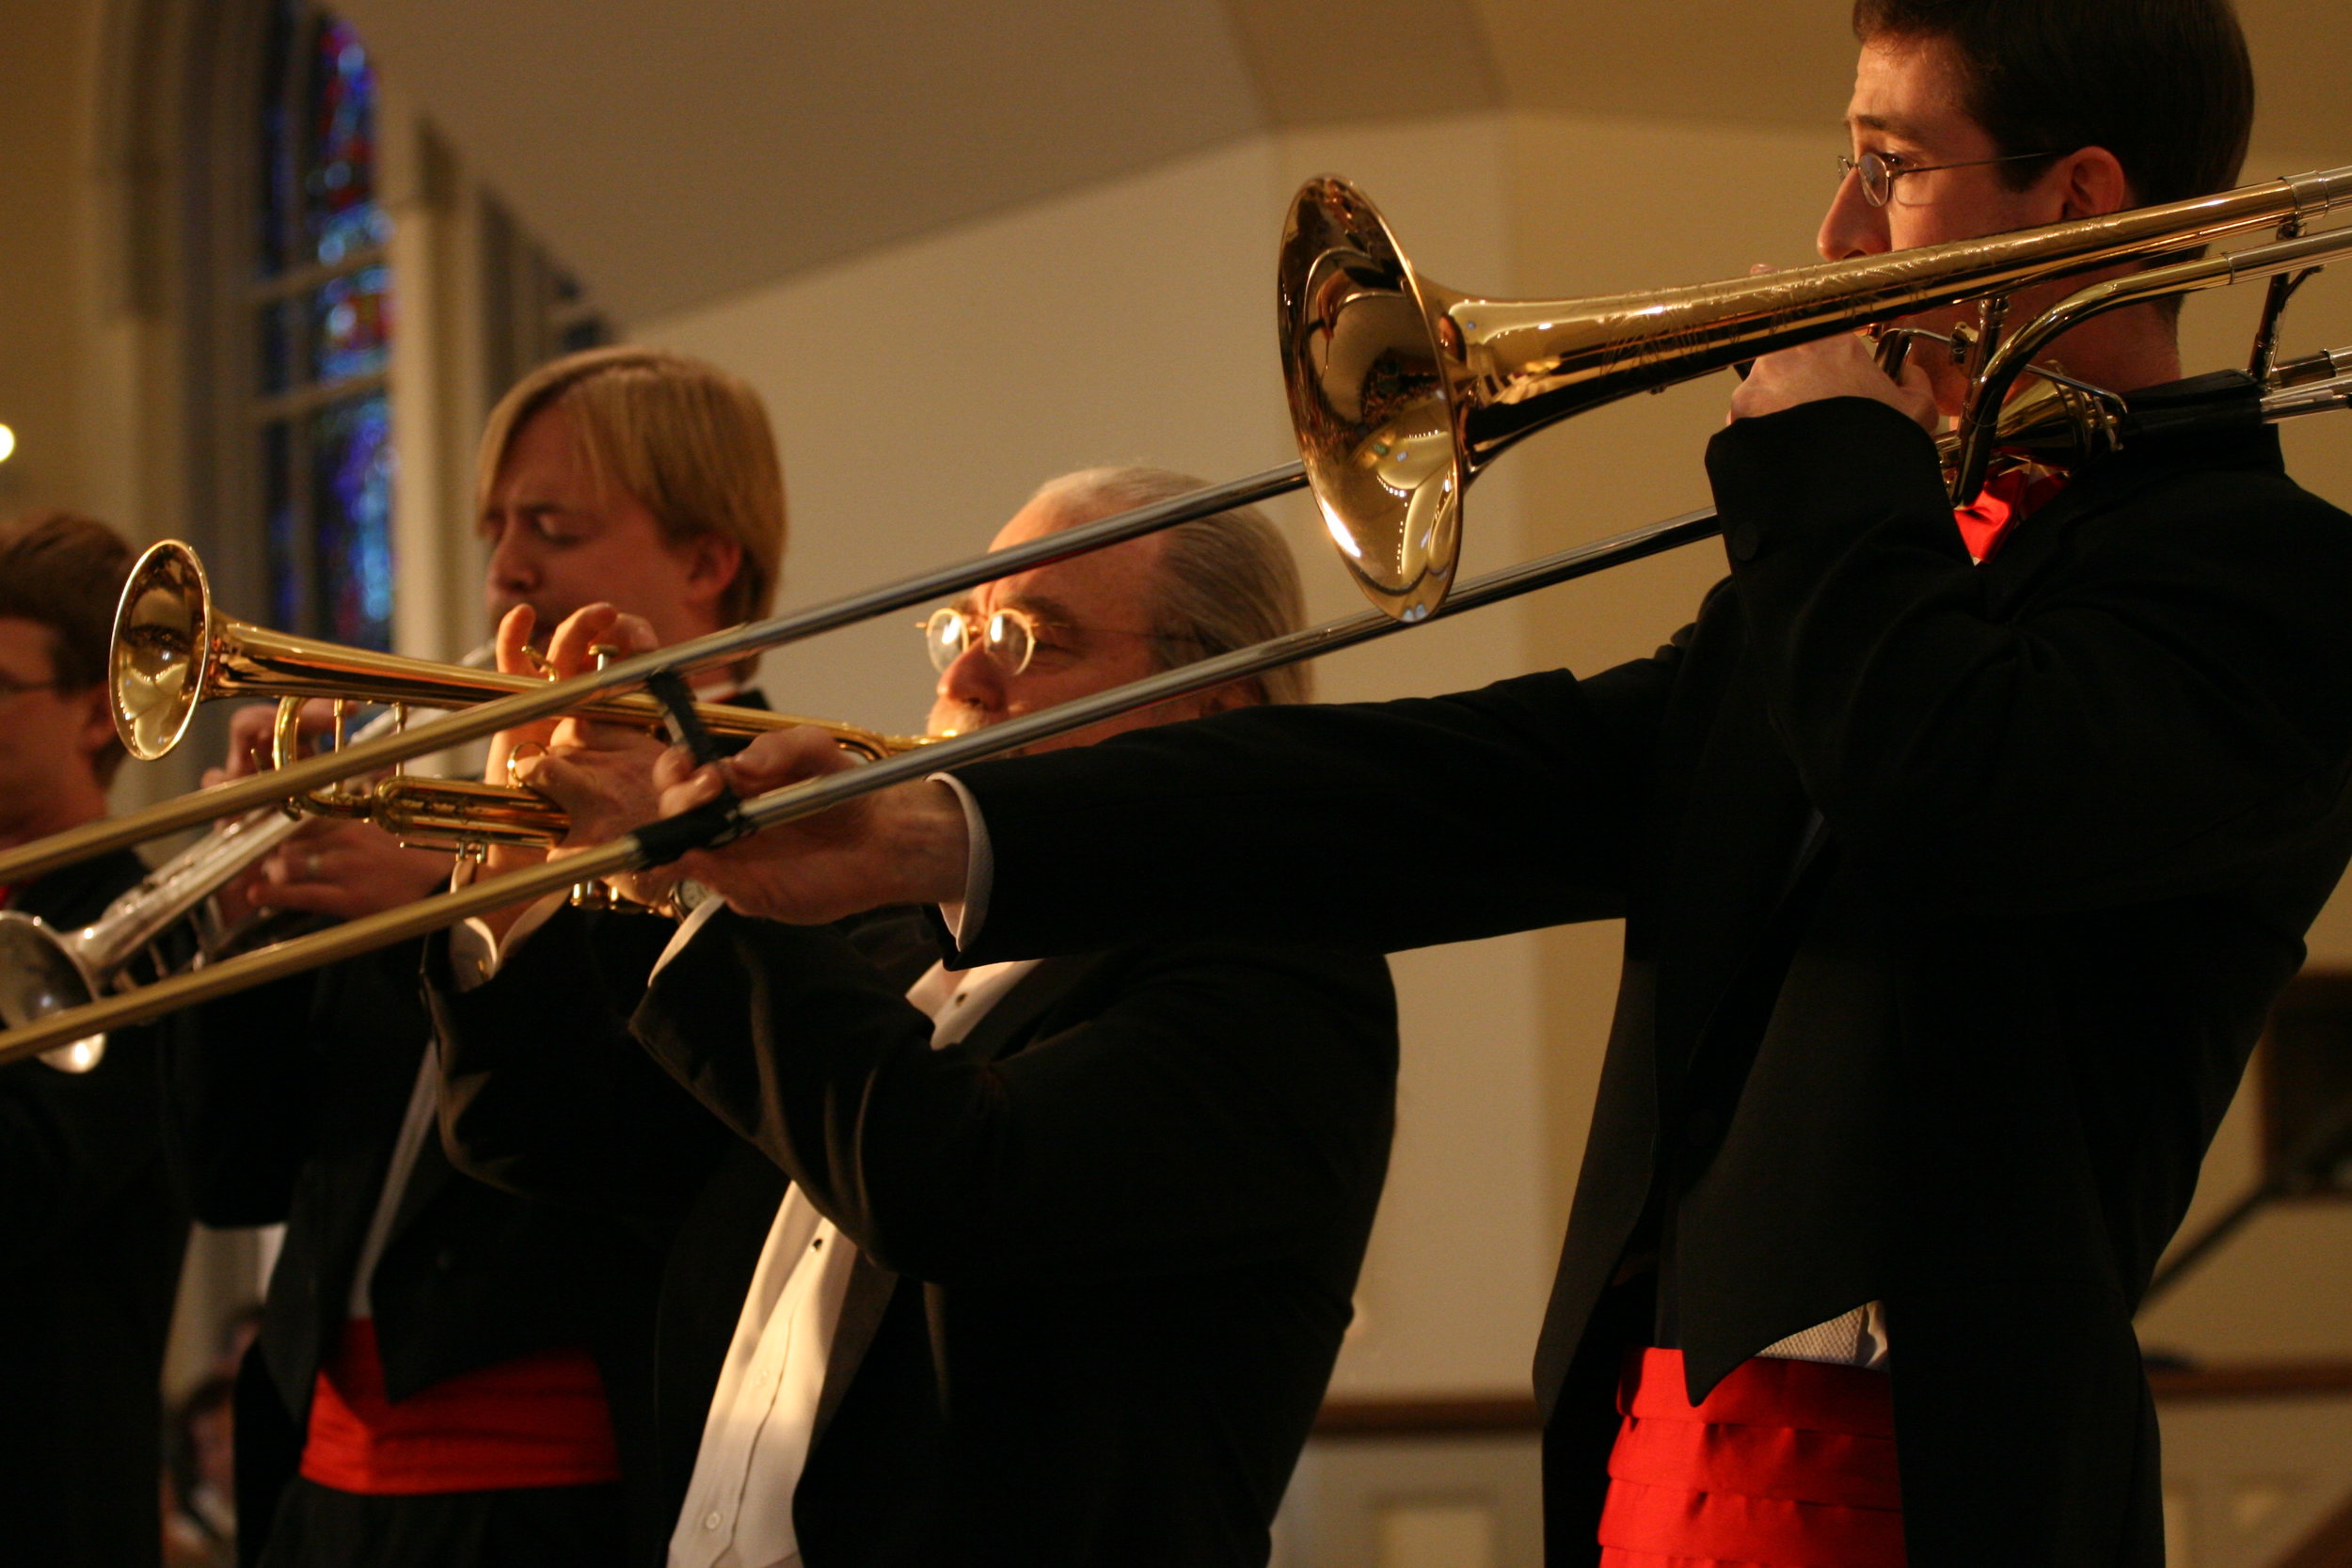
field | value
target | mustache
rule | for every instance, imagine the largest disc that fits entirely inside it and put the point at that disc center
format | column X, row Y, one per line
column 956, row 718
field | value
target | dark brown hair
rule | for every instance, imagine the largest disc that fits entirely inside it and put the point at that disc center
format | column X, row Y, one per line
column 65, row 573
column 2164, row 85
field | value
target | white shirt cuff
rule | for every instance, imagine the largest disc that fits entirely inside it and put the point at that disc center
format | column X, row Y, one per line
column 964, row 919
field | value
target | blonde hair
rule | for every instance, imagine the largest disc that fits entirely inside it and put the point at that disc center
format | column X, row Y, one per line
column 685, row 439
column 1226, row 581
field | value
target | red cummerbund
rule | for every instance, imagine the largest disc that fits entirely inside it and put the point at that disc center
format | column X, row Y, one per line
column 1789, row 1464
column 539, row 1420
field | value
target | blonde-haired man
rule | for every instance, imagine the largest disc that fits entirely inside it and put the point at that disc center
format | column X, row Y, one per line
column 690, row 448
column 448, row 1373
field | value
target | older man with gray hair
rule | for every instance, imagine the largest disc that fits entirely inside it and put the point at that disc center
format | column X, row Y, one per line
column 1069, row 1244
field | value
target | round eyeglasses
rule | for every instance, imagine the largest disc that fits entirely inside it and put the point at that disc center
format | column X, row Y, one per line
column 1880, row 172
column 1007, row 637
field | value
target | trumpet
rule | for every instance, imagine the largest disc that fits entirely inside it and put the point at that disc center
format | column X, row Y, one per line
column 174, row 649
column 1401, row 392
column 44, row 970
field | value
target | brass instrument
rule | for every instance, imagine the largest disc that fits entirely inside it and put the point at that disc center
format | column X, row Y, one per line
column 174, row 649
column 44, row 970
column 1401, row 393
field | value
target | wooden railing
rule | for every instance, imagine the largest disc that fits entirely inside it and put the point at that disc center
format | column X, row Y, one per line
column 1488, row 1415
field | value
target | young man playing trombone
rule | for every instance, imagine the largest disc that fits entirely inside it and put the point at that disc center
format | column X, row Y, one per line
column 94, row 1226
column 446, row 1373
column 1068, row 1247
column 1955, row 892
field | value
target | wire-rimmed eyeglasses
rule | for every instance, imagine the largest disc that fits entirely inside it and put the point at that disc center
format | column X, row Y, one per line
column 1009, row 637
column 1879, row 171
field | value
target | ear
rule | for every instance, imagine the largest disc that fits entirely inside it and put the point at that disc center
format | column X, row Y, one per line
column 2092, row 183
column 713, row 562
column 98, row 726
column 1220, row 699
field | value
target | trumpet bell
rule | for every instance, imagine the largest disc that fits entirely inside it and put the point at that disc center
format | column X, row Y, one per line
column 39, row 976
column 161, row 657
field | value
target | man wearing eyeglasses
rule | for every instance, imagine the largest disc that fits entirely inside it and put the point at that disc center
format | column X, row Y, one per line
column 1069, row 1245
column 1960, row 857
column 92, row 1226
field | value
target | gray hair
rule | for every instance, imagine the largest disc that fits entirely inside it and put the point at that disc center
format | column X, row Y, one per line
column 1226, row 581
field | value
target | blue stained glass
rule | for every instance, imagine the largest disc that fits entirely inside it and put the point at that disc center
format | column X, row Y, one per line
column 351, row 509
column 339, row 194
column 353, row 316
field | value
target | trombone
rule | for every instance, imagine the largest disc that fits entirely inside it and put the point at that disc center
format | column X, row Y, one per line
column 1401, row 392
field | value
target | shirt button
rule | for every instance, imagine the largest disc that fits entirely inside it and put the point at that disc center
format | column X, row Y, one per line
column 713, row 1519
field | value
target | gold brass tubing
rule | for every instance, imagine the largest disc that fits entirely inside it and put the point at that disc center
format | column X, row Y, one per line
column 1402, row 390
column 795, row 801
column 708, row 651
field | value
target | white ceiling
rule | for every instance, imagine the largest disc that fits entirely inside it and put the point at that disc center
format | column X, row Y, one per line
column 677, row 151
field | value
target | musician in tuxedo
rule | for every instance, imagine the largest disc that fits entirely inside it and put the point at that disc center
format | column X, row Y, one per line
column 1068, row 1247
column 447, row 1373
column 1959, row 856
column 92, row 1226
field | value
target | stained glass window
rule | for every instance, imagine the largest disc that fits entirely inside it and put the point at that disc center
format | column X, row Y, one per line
column 322, row 323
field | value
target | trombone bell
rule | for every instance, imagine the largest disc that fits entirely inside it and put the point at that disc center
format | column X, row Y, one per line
column 40, row 975
column 1373, row 397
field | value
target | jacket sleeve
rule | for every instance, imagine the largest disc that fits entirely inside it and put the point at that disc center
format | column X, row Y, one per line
column 1219, row 1102
column 544, row 1091
column 2168, row 705
column 241, row 1080
column 1374, row 827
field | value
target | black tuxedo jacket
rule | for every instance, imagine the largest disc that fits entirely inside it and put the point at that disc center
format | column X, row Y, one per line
column 2079, row 805
column 547, row 1095
column 288, row 1101
column 92, row 1228
column 1108, row 1242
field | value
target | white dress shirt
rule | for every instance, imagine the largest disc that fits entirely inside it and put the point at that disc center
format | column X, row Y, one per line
column 763, row 1414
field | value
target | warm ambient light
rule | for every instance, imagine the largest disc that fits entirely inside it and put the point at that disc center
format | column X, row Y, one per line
column 8, row 443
